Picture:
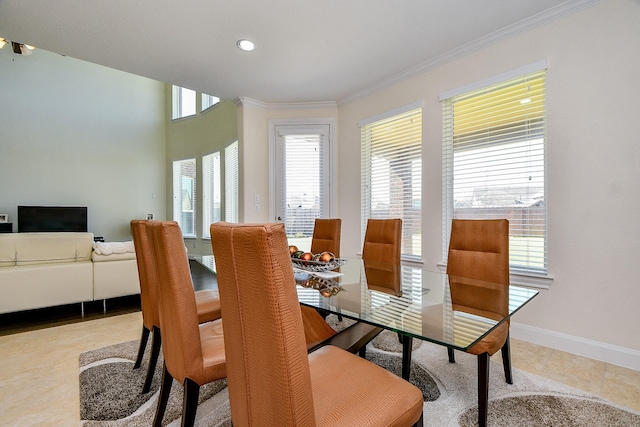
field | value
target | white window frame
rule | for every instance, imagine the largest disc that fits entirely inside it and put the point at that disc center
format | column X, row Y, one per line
column 370, row 170
column 180, row 180
column 302, row 123
column 231, row 182
column 179, row 107
column 208, row 101
column 535, row 277
column 211, row 192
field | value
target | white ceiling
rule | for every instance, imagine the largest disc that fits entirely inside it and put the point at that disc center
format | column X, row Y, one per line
column 323, row 50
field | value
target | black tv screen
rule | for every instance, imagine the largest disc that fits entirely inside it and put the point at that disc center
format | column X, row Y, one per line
column 52, row 218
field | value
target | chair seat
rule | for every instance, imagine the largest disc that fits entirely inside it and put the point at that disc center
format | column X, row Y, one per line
column 351, row 391
column 212, row 341
column 208, row 305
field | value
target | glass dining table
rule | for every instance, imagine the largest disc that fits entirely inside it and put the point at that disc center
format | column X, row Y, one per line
column 454, row 312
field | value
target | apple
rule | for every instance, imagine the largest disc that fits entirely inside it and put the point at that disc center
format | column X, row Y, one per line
column 326, row 257
column 293, row 249
column 307, row 256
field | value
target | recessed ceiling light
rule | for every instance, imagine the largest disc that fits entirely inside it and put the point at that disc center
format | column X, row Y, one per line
column 246, row 45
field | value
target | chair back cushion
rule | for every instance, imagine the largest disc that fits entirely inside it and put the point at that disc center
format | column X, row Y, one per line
column 146, row 273
column 181, row 344
column 382, row 240
column 267, row 366
column 326, row 236
column 479, row 249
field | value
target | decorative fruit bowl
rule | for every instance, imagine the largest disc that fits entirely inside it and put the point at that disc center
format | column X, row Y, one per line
column 318, row 266
column 315, row 262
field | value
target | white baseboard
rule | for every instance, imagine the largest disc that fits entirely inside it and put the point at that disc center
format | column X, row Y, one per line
column 609, row 353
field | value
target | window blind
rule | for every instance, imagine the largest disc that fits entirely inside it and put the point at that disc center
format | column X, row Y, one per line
column 494, row 164
column 303, row 159
column 184, row 195
column 211, row 192
column 208, row 101
column 183, row 102
column 391, row 181
column 231, row 182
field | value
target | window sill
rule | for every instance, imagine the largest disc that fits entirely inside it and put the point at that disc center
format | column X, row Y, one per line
column 521, row 278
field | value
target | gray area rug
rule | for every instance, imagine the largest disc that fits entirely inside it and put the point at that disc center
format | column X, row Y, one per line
column 110, row 392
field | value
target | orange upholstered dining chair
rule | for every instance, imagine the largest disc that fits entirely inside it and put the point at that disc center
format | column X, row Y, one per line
column 272, row 380
column 207, row 301
column 382, row 240
column 479, row 250
column 194, row 352
column 326, row 236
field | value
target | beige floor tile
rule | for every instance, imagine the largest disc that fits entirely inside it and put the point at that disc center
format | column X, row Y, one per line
column 529, row 357
column 622, row 386
column 575, row 371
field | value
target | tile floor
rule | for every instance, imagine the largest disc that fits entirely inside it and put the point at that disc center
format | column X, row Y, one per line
column 39, row 370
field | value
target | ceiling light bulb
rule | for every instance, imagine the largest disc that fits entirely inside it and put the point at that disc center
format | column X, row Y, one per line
column 2, row 42
column 246, row 45
column 28, row 46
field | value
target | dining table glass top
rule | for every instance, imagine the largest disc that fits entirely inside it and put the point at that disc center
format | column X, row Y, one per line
column 405, row 298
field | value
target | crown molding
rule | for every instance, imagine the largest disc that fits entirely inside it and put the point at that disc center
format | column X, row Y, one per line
column 535, row 21
column 243, row 100
column 285, row 105
column 302, row 105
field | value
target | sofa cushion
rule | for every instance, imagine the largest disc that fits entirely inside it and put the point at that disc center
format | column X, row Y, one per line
column 44, row 248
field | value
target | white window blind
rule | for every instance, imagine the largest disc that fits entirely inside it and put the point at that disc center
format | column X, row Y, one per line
column 231, row 182
column 211, row 192
column 184, row 195
column 304, row 181
column 494, row 164
column 208, row 101
column 392, row 175
column 183, row 102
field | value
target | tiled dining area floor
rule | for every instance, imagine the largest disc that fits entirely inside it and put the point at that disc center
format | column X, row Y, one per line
column 39, row 370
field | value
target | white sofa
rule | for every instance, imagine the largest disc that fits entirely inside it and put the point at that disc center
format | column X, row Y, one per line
column 48, row 269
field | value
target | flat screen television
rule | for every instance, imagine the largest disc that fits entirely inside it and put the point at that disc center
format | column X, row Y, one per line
column 52, row 218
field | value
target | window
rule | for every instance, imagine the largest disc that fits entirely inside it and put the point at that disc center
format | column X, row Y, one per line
column 184, row 196
column 392, row 174
column 211, row 192
column 183, row 102
column 231, row 182
column 494, row 164
column 209, row 101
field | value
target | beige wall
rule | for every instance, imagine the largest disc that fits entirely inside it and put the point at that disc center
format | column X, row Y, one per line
column 593, row 168
column 75, row 133
column 254, row 148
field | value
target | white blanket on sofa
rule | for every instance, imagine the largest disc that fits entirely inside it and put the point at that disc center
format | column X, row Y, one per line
column 108, row 248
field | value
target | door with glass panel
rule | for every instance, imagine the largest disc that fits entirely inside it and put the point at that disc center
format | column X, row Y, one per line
column 302, row 179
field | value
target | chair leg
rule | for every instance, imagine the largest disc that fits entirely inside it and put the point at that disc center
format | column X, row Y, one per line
column 483, row 388
column 452, row 355
column 143, row 344
column 190, row 402
column 506, row 361
column 363, row 352
column 153, row 360
column 165, row 389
